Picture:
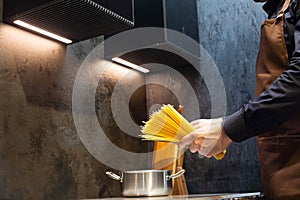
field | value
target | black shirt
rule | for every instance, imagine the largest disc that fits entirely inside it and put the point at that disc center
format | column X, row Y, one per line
column 282, row 100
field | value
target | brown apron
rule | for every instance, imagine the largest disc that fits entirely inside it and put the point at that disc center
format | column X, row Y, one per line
column 279, row 149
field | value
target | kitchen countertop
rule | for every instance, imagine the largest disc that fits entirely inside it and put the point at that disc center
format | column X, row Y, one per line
column 217, row 196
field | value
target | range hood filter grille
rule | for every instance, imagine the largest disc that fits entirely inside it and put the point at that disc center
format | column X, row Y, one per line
column 74, row 19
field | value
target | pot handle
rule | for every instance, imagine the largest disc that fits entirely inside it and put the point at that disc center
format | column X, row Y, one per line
column 176, row 175
column 114, row 176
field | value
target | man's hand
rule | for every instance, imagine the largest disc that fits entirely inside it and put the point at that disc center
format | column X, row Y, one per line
column 208, row 138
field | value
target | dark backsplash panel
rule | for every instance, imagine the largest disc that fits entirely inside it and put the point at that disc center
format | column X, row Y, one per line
column 231, row 39
column 229, row 31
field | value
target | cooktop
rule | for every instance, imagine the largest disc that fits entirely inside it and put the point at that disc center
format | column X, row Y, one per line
column 215, row 196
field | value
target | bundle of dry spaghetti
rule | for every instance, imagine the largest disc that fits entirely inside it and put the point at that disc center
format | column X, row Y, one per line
column 168, row 125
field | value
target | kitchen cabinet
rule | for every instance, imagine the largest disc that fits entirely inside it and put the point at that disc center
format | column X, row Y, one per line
column 176, row 15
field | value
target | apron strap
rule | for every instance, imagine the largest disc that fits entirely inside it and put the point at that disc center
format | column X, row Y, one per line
column 284, row 7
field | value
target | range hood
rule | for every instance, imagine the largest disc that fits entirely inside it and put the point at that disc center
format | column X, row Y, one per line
column 175, row 15
column 75, row 20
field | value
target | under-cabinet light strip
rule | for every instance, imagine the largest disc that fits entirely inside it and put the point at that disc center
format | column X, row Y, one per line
column 131, row 65
column 36, row 29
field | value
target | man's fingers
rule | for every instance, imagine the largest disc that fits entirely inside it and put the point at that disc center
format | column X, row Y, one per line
column 198, row 140
column 194, row 148
column 186, row 141
column 200, row 124
column 197, row 126
column 195, row 122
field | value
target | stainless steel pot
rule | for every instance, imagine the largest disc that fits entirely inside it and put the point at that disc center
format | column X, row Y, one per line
column 146, row 182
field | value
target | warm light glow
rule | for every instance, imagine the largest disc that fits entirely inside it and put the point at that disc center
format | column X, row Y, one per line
column 52, row 35
column 131, row 65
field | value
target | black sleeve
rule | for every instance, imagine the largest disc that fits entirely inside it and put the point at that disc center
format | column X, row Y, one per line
column 274, row 106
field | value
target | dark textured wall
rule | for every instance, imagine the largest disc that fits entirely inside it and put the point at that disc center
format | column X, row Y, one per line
column 229, row 33
column 41, row 155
